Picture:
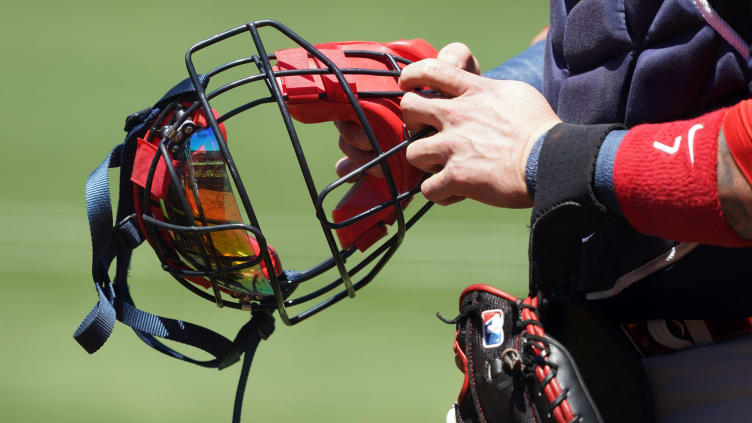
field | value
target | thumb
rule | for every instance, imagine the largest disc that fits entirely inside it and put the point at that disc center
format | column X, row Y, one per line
column 459, row 55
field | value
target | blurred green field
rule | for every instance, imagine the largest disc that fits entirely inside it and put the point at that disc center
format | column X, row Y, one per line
column 70, row 73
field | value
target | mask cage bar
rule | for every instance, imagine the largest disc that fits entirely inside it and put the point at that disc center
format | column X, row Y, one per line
column 291, row 278
column 394, row 61
column 339, row 261
column 262, row 76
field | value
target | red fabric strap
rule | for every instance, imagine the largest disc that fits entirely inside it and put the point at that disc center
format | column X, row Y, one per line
column 665, row 178
column 161, row 181
column 737, row 128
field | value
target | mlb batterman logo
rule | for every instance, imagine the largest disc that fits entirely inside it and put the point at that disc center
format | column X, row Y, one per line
column 493, row 330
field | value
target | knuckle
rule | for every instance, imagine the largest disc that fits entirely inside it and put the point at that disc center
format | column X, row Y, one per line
column 411, row 73
column 449, row 145
column 477, row 85
column 450, row 173
column 416, row 155
column 451, row 55
column 408, row 100
column 440, row 110
column 459, row 49
column 412, row 152
column 455, row 176
column 459, row 55
column 433, row 67
column 428, row 190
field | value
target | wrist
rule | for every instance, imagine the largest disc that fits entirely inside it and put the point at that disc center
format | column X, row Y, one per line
column 531, row 166
column 603, row 177
column 530, row 156
column 566, row 164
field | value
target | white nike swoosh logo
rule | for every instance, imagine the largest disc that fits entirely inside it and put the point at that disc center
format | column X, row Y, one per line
column 666, row 148
column 672, row 149
column 692, row 131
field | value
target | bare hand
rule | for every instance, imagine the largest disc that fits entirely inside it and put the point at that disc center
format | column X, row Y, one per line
column 486, row 129
column 353, row 141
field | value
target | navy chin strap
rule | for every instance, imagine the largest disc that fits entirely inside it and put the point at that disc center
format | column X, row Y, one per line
column 117, row 243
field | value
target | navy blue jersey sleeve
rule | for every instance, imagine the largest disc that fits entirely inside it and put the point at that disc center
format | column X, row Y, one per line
column 526, row 67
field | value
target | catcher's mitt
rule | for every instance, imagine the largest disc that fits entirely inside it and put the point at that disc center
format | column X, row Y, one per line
column 513, row 371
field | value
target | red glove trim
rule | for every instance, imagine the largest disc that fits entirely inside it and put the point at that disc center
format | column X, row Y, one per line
column 665, row 178
column 562, row 413
column 460, row 360
column 737, row 128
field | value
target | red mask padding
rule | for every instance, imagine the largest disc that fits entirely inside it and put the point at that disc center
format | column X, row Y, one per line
column 383, row 114
column 737, row 128
column 145, row 154
column 665, row 178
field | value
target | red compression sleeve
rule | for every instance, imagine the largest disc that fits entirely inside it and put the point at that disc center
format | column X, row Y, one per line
column 665, row 179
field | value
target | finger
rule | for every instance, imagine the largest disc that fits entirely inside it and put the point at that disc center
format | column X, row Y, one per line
column 459, row 55
column 439, row 188
column 354, row 135
column 359, row 158
column 437, row 75
column 344, row 166
column 421, row 110
column 428, row 154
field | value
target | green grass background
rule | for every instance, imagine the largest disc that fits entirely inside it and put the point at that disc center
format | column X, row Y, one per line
column 70, row 73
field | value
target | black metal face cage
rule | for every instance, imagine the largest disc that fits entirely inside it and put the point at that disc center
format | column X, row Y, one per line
column 173, row 137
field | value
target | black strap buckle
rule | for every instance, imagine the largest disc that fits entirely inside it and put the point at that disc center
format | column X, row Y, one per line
column 127, row 231
column 135, row 118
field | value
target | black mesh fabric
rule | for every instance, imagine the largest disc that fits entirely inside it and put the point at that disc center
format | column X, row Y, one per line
column 508, row 398
column 566, row 209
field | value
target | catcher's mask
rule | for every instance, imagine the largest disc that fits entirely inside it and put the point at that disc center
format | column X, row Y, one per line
column 191, row 202
column 181, row 189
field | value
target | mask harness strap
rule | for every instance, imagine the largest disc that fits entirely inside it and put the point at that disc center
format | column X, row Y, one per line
column 117, row 243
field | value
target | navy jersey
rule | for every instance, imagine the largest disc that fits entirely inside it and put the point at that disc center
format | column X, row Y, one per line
column 637, row 61
column 632, row 62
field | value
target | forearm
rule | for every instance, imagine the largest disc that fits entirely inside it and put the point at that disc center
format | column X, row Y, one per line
column 677, row 180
